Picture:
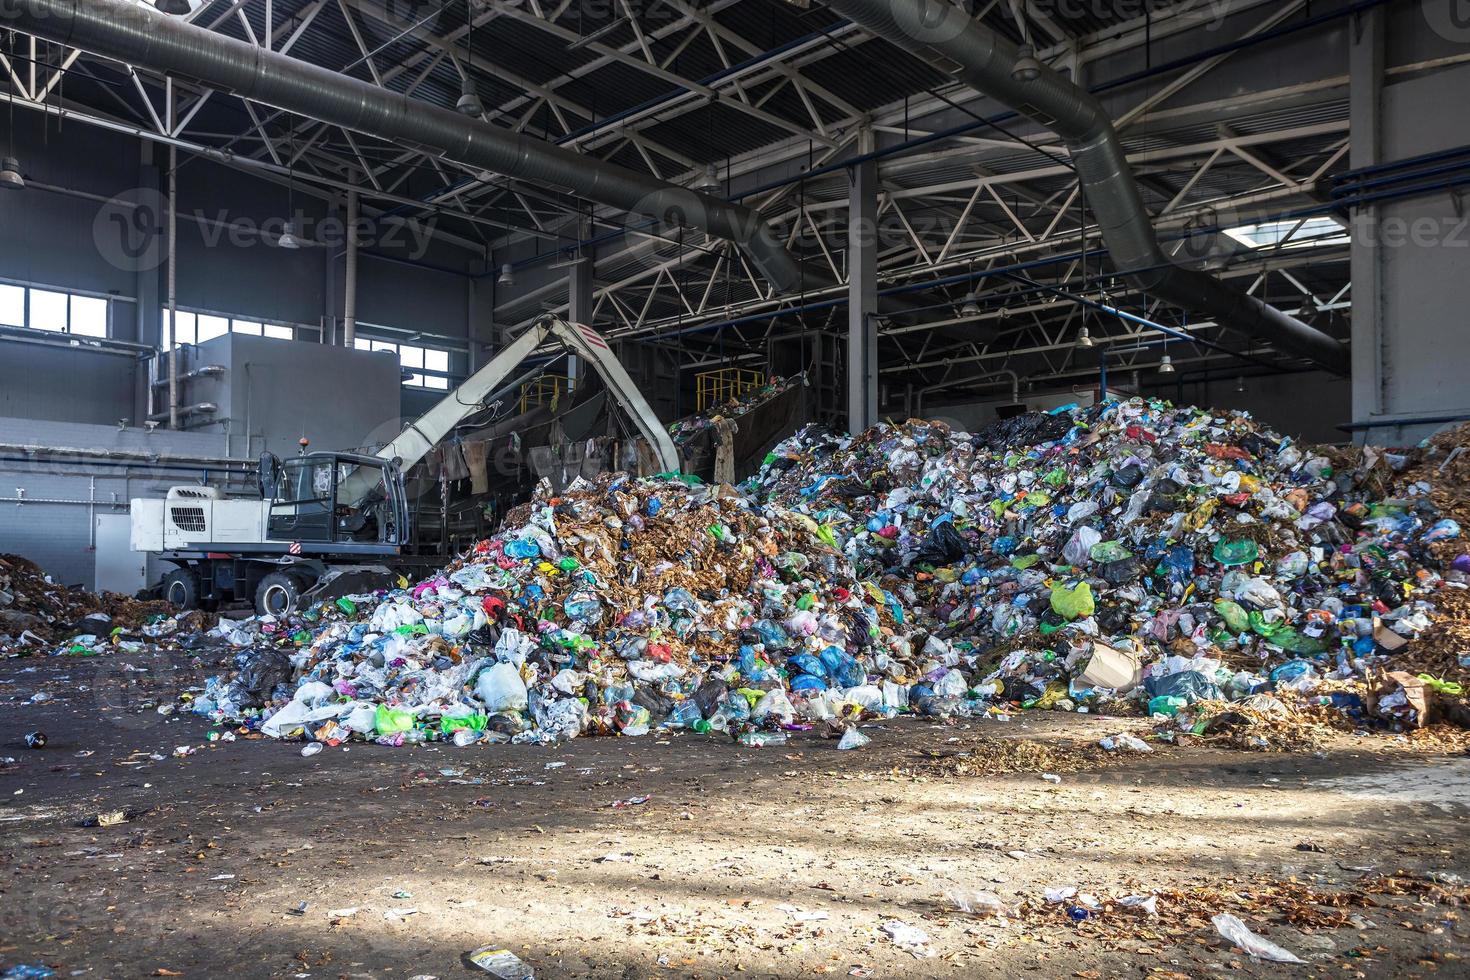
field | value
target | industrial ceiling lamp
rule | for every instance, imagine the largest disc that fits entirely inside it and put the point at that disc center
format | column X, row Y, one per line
column 1166, row 365
column 1027, row 68
column 971, row 306
column 177, row 8
column 1084, row 338
column 507, row 276
column 288, row 237
column 10, row 177
column 1240, row 385
column 707, row 182
column 469, row 100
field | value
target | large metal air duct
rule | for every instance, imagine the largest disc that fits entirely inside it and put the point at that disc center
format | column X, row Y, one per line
column 946, row 37
column 137, row 35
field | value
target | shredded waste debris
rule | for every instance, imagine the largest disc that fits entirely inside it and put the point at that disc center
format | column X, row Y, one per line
column 1133, row 559
column 35, row 612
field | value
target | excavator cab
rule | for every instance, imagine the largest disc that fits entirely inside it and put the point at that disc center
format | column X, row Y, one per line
column 309, row 504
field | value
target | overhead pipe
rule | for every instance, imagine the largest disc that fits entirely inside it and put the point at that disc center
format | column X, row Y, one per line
column 201, row 408
column 137, row 35
column 207, row 371
column 945, row 37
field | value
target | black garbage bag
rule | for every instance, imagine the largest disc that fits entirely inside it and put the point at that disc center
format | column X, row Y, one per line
column 1122, row 571
column 1128, row 477
column 943, row 545
column 709, row 695
column 647, row 696
column 260, row 673
column 1030, row 429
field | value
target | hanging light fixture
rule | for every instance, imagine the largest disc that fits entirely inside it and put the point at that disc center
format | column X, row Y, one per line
column 1084, row 338
column 707, row 182
column 971, row 306
column 469, row 100
column 1027, row 68
column 288, row 237
column 10, row 177
column 1166, row 365
column 177, row 8
column 1240, row 385
column 507, row 276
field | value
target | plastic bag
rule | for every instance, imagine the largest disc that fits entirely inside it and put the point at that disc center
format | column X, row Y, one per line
column 1230, row 553
column 500, row 688
column 942, row 546
column 1072, row 601
column 1079, row 547
column 1237, row 933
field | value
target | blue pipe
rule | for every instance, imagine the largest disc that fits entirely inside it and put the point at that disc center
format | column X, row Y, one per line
column 1346, row 190
column 1348, row 175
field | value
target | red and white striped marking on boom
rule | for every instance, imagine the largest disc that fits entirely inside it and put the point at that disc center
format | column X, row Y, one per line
column 295, row 548
column 592, row 337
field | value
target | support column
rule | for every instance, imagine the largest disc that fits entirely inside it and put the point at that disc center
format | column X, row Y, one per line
column 1365, row 115
column 579, row 302
column 862, row 291
column 349, row 278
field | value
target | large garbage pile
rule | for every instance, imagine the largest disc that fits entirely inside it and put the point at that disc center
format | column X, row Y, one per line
column 36, row 611
column 1171, row 555
column 619, row 606
column 1132, row 558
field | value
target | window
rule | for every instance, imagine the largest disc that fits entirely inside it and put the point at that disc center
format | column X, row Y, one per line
column 196, row 328
column 210, row 327
column 1296, row 233
column 414, row 360
column 89, row 316
column 13, row 306
column 53, row 311
column 48, row 310
column 186, row 328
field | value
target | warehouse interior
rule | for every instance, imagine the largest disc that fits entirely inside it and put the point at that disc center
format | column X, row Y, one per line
column 474, row 250
column 933, row 234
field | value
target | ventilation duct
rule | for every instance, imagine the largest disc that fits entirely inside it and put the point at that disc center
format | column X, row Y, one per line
column 137, row 35
column 945, row 36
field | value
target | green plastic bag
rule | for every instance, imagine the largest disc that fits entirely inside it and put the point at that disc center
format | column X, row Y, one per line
column 1236, row 552
column 474, row 722
column 391, row 721
column 1072, row 602
column 825, row 533
column 1166, row 704
column 1235, row 616
column 1106, row 551
column 347, row 605
column 1025, row 561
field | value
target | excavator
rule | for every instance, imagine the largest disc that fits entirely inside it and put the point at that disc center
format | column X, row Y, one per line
column 327, row 524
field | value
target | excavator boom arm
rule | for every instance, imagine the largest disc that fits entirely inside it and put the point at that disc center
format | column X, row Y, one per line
column 420, row 436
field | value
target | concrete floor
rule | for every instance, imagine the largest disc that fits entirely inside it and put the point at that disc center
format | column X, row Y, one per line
column 775, row 862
